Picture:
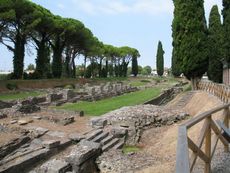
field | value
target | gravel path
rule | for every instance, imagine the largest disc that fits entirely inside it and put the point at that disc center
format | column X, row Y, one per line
column 220, row 162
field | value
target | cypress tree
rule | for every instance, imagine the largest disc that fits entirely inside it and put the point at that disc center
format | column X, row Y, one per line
column 226, row 26
column 134, row 66
column 215, row 67
column 160, row 59
column 193, row 49
column 176, row 35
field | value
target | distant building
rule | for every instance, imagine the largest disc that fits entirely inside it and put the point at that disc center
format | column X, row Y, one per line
column 226, row 74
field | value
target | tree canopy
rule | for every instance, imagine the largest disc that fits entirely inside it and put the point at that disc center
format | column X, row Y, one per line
column 23, row 22
column 160, row 59
column 226, row 28
column 191, row 49
column 215, row 43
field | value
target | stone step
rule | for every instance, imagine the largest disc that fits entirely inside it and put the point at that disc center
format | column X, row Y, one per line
column 44, row 104
column 110, row 145
column 24, row 162
column 59, row 102
column 119, row 145
column 93, row 134
column 107, row 140
column 101, row 137
column 57, row 166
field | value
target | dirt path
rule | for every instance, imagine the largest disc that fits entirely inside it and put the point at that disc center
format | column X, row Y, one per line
column 161, row 142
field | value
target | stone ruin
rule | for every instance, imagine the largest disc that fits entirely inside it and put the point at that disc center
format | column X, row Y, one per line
column 40, row 150
column 135, row 119
column 57, row 97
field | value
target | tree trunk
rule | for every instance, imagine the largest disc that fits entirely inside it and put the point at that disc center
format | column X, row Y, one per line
column 194, row 83
column 73, row 68
column 42, row 58
column 100, row 69
column 106, row 68
column 19, row 53
column 57, row 59
column 84, row 66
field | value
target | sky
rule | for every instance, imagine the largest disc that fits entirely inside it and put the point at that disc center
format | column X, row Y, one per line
column 135, row 23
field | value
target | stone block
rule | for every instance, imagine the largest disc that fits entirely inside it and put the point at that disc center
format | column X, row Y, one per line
column 24, row 122
column 51, row 143
column 76, row 137
column 56, row 134
column 4, row 105
column 27, row 109
column 55, row 166
column 119, row 132
column 99, row 122
column 66, row 121
column 84, row 151
column 68, row 94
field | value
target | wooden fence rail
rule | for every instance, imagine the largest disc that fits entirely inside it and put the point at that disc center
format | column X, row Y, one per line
column 210, row 133
column 220, row 90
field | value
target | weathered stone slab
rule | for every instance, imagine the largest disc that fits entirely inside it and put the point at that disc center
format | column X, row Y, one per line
column 4, row 105
column 84, row 151
column 27, row 109
column 99, row 122
column 56, row 134
column 93, row 134
column 24, row 122
column 66, row 121
column 119, row 132
column 36, row 131
column 55, row 166
column 76, row 137
column 24, row 162
column 12, row 145
column 68, row 94
column 51, row 143
column 53, row 97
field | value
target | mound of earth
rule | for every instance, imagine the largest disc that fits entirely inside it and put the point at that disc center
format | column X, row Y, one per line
column 158, row 145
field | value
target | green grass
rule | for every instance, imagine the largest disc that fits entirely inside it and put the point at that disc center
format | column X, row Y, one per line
column 19, row 95
column 128, row 149
column 137, row 83
column 187, row 87
column 103, row 106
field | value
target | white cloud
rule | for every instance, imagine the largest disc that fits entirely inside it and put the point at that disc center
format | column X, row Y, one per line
column 153, row 7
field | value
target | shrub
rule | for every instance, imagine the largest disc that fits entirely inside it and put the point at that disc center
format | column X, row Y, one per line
column 145, row 81
column 11, row 86
column 70, row 86
column 3, row 76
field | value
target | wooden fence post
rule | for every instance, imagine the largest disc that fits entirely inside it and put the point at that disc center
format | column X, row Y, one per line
column 208, row 147
column 226, row 123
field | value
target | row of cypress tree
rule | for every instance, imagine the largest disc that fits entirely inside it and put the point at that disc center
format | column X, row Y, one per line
column 198, row 49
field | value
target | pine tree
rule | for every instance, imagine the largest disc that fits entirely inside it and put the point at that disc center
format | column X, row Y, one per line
column 215, row 67
column 160, row 59
column 226, row 26
column 134, row 66
column 193, row 49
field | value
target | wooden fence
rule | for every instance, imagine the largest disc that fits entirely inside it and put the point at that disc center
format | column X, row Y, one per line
column 220, row 90
column 209, row 135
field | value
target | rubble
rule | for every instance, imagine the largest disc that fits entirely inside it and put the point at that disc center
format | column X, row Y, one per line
column 135, row 119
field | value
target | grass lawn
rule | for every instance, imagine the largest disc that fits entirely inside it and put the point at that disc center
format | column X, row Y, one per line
column 128, row 149
column 19, row 95
column 103, row 106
